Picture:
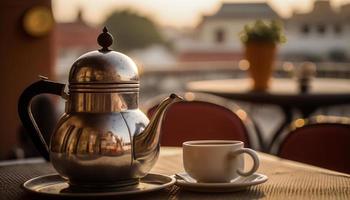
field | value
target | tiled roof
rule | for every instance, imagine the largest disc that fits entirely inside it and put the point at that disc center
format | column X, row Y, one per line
column 322, row 12
column 244, row 10
column 76, row 34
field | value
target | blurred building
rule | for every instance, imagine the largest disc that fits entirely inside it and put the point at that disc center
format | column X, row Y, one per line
column 217, row 35
column 153, row 57
column 71, row 41
column 321, row 34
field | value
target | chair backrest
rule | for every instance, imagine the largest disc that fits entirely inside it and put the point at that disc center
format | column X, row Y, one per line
column 199, row 118
column 325, row 145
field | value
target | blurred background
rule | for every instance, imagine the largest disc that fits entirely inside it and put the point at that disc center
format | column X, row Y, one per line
column 173, row 42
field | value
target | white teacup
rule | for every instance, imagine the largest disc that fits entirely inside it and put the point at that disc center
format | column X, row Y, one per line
column 216, row 161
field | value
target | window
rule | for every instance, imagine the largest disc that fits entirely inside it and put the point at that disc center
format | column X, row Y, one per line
column 321, row 29
column 337, row 29
column 219, row 36
column 305, row 29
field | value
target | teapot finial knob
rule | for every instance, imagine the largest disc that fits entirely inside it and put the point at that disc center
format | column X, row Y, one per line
column 105, row 39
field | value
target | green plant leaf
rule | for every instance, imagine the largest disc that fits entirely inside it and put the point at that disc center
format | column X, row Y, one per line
column 263, row 31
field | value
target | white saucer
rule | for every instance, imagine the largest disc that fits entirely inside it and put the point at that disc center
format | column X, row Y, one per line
column 237, row 184
column 55, row 185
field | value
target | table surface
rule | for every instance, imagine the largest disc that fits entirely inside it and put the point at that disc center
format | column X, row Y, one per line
column 287, row 179
column 278, row 86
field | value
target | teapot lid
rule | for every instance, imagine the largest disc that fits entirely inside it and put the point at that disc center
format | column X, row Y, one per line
column 104, row 65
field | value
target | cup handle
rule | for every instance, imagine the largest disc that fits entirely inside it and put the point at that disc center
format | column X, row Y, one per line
column 255, row 158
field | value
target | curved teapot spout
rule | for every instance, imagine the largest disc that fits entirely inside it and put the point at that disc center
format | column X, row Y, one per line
column 146, row 144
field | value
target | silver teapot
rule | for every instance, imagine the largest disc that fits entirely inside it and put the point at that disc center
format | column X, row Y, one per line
column 102, row 139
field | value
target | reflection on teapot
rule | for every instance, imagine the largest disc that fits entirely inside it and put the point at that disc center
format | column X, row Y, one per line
column 102, row 139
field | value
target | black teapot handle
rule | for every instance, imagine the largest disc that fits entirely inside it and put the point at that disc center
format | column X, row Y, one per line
column 25, row 114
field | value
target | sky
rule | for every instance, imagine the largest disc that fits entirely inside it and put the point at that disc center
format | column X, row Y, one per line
column 177, row 13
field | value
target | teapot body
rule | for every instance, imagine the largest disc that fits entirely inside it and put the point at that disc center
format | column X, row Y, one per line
column 97, row 148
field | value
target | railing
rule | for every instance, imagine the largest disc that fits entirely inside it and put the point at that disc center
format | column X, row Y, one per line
column 324, row 69
column 174, row 78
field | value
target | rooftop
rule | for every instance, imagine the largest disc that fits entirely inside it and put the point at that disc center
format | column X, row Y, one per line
column 244, row 10
column 76, row 34
column 323, row 12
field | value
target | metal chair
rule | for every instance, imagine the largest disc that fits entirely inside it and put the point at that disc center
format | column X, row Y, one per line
column 321, row 141
column 204, row 117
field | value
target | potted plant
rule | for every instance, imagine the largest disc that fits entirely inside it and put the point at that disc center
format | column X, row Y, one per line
column 260, row 40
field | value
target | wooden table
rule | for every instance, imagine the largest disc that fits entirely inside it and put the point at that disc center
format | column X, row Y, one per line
column 283, row 93
column 287, row 179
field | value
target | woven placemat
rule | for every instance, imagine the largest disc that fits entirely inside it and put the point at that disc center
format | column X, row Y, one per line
column 12, row 177
column 287, row 180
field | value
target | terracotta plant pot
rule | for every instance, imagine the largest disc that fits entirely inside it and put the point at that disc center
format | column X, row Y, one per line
column 261, row 56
